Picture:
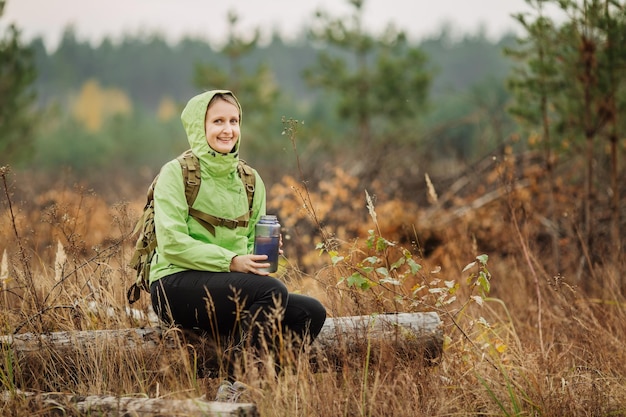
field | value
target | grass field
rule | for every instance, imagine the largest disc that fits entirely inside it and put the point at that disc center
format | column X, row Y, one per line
column 521, row 339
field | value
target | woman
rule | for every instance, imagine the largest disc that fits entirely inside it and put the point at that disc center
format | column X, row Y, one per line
column 210, row 280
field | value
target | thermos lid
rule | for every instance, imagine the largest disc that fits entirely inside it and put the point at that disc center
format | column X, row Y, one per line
column 269, row 218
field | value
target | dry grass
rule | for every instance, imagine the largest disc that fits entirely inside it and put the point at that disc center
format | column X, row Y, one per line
column 505, row 357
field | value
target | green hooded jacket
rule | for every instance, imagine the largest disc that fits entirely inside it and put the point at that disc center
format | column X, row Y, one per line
column 182, row 242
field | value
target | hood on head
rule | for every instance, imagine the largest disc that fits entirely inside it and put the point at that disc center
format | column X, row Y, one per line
column 193, row 121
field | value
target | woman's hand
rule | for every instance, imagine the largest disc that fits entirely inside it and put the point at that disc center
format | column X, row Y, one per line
column 252, row 263
column 249, row 264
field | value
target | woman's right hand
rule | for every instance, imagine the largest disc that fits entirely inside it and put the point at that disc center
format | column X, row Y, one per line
column 250, row 264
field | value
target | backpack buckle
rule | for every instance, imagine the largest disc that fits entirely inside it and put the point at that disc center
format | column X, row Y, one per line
column 231, row 224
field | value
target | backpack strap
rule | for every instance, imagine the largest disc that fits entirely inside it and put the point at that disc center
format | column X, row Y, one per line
column 246, row 173
column 144, row 247
column 191, row 175
column 210, row 222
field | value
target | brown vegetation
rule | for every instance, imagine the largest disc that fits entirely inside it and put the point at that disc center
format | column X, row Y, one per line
column 522, row 336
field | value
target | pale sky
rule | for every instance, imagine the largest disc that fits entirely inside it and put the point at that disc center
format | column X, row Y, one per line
column 94, row 19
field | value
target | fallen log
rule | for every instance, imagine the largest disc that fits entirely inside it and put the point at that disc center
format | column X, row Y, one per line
column 105, row 406
column 410, row 334
column 418, row 331
column 341, row 339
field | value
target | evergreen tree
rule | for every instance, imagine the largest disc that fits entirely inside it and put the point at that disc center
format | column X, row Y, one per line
column 536, row 84
column 593, row 62
column 385, row 85
column 571, row 86
column 17, row 74
column 614, row 70
column 256, row 90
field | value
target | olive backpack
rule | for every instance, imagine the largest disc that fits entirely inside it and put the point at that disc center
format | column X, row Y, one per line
column 146, row 244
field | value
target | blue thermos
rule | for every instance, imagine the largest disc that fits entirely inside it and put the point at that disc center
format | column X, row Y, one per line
column 266, row 240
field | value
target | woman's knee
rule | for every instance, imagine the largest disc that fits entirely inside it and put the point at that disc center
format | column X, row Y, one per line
column 278, row 290
column 309, row 308
column 314, row 306
column 317, row 312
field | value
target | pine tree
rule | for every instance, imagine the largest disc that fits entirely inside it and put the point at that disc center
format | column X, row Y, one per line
column 613, row 69
column 17, row 74
column 572, row 83
column 255, row 89
column 536, row 84
column 379, row 81
column 594, row 62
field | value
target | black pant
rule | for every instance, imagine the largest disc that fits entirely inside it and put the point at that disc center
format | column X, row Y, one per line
column 234, row 305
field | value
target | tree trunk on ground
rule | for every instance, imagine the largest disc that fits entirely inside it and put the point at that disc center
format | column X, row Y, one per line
column 416, row 334
column 105, row 406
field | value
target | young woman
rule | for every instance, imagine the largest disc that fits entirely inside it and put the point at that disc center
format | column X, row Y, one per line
column 207, row 278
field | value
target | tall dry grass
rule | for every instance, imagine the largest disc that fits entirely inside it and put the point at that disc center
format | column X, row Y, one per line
column 521, row 342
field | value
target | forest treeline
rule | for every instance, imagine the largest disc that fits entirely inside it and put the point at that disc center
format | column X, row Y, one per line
column 149, row 68
column 108, row 104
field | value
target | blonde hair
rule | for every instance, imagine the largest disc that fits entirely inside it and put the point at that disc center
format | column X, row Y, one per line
column 227, row 97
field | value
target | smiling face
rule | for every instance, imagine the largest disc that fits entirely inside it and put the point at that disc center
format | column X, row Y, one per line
column 221, row 125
